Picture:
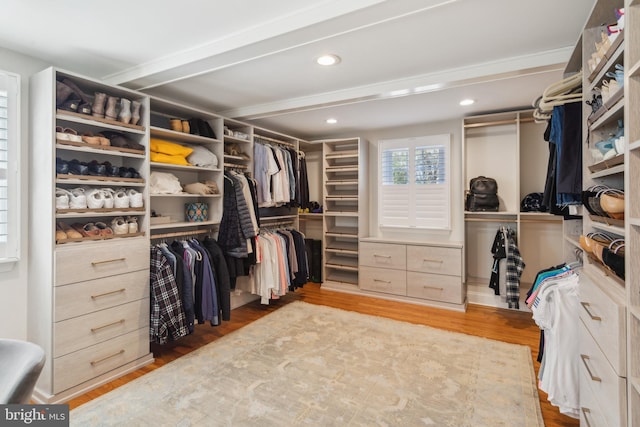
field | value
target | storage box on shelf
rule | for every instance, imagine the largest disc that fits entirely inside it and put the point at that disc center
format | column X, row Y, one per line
column 88, row 290
column 199, row 172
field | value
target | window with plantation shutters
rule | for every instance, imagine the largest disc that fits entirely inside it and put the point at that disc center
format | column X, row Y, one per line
column 414, row 187
column 9, row 226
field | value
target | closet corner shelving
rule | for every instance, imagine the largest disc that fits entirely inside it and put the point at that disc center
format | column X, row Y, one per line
column 88, row 296
column 345, row 219
column 632, row 203
column 238, row 145
column 172, row 206
column 510, row 148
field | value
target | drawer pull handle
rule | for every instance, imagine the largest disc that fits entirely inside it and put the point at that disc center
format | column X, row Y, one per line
column 382, row 281
column 586, row 306
column 106, row 326
column 433, row 287
column 107, row 293
column 439, row 261
column 584, row 358
column 94, row 263
column 382, row 256
column 585, row 412
column 95, row 362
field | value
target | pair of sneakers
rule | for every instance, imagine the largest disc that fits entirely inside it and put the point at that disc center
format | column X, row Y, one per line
column 121, row 225
column 98, row 198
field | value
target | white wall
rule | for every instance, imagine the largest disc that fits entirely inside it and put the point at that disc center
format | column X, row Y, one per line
column 13, row 284
column 453, row 127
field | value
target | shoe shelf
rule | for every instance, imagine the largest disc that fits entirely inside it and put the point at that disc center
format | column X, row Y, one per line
column 188, row 195
column 181, row 136
column 229, row 138
column 80, row 213
column 610, row 116
column 99, row 180
column 614, row 54
column 616, row 164
column 105, row 237
column 85, row 119
column 102, row 149
column 182, row 224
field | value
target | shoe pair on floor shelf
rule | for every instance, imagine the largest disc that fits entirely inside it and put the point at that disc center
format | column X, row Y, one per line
column 93, row 168
column 70, row 97
column 192, row 126
column 104, row 138
column 78, row 230
column 98, row 198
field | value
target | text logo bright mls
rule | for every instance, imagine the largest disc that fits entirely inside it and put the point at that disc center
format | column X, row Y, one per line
column 36, row 415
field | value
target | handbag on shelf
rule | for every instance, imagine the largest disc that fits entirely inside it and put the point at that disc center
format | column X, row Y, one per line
column 482, row 195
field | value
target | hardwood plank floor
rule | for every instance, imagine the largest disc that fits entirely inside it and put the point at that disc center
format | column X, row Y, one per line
column 499, row 324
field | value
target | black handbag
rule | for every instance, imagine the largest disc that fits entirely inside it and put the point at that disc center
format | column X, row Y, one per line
column 482, row 195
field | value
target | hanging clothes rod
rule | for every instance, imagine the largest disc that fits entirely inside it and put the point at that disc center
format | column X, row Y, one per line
column 500, row 122
column 180, row 234
column 276, row 141
column 235, row 166
column 280, row 218
column 490, row 220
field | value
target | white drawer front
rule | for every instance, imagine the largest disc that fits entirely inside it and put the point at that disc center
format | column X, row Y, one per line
column 80, row 366
column 590, row 412
column 603, row 381
column 383, row 255
column 87, row 297
column 383, row 280
column 605, row 320
column 434, row 259
column 435, row 287
column 78, row 263
column 80, row 332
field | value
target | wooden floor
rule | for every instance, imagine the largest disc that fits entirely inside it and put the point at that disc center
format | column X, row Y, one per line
column 499, row 324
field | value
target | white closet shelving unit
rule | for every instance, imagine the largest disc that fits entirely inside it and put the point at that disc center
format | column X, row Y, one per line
column 510, row 148
column 345, row 217
column 171, row 207
column 603, row 341
column 632, row 205
column 88, row 297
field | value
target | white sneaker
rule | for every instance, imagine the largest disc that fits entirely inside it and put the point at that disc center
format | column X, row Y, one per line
column 95, row 199
column 108, row 198
column 132, row 224
column 62, row 199
column 135, row 198
column 77, row 199
column 119, row 225
column 121, row 199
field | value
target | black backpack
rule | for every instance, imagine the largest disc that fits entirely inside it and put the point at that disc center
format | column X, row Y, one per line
column 482, row 195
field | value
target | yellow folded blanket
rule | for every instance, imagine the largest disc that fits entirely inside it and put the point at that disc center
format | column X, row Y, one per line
column 166, row 158
column 170, row 148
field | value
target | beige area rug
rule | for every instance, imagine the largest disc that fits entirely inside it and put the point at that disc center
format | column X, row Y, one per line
column 312, row 365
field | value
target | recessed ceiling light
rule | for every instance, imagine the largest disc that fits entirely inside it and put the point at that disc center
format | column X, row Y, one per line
column 466, row 102
column 332, row 121
column 328, row 60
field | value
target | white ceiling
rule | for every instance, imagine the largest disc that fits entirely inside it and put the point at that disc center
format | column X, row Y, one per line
column 403, row 61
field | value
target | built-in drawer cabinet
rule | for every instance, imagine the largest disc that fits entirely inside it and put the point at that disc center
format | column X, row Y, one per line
column 435, row 287
column 434, row 259
column 591, row 414
column 383, row 280
column 601, row 380
column 90, row 362
column 606, row 321
column 79, row 332
column 422, row 271
column 383, row 255
column 79, row 263
column 81, row 298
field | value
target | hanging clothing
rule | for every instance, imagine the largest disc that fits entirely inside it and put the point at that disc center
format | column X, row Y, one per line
column 499, row 251
column 515, row 266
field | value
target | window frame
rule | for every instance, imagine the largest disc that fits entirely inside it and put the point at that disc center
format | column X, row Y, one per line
column 411, row 144
column 10, row 250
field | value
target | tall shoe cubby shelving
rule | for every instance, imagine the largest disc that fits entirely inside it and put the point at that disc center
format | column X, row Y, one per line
column 510, row 148
column 345, row 216
column 632, row 203
column 238, row 145
column 88, row 297
column 171, row 208
column 602, row 338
